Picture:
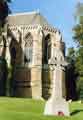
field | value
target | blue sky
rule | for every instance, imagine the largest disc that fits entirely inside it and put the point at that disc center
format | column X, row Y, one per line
column 59, row 13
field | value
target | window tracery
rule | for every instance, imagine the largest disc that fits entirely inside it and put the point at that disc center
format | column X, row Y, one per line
column 28, row 48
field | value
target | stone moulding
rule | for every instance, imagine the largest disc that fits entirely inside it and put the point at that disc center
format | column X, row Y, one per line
column 32, row 27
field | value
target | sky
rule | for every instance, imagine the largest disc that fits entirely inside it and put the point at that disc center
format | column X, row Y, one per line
column 59, row 13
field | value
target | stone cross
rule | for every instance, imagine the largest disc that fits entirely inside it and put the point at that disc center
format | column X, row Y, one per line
column 58, row 67
column 57, row 105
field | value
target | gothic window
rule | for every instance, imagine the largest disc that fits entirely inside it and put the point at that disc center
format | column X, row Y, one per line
column 47, row 49
column 28, row 48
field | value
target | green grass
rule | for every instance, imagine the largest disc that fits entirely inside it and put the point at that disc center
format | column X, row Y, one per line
column 28, row 109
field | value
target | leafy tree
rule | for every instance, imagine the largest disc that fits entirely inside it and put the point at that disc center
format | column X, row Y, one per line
column 78, row 34
column 71, row 55
column 4, row 11
column 71, row 75
column 78, row 38
column 79, row 70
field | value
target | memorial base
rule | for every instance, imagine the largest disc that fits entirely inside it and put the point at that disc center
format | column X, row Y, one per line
column 57, row 107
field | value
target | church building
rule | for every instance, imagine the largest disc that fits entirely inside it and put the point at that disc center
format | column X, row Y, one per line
column 31, row 43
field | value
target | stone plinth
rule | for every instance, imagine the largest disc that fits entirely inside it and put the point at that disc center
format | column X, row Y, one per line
column 56, row 107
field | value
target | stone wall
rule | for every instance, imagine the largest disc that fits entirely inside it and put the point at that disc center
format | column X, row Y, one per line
column 31, row 79
column 21, row 82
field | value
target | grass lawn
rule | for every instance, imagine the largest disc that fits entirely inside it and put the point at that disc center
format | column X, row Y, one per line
column 28, row 109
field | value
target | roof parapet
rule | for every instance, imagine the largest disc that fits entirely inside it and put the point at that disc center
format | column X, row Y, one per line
column 25, row 13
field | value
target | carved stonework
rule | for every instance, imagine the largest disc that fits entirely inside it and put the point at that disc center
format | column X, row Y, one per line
column 28, row 40
column 30, row 45
column 28, row 50
column 57, row 103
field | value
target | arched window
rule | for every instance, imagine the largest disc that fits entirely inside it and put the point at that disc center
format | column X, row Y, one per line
column 47, row 49
column 28, row 48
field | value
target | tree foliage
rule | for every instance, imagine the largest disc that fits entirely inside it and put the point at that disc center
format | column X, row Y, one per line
column 4, row 11
column 71, row 55
column 71, row 75
column 78, row 38
column 78, row 34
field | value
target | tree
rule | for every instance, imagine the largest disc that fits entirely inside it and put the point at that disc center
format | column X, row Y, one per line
column 4, row 11
column 78, row 38
column 79, row 70
column 71, row 75
column 78, row 34
column 78, row 28
column 71, row 55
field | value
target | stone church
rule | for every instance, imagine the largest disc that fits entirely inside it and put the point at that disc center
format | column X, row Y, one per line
column 30, row 43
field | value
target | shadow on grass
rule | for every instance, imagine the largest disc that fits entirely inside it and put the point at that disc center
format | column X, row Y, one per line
column 76, row 111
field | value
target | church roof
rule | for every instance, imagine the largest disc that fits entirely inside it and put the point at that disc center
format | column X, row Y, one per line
column 28, row 18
